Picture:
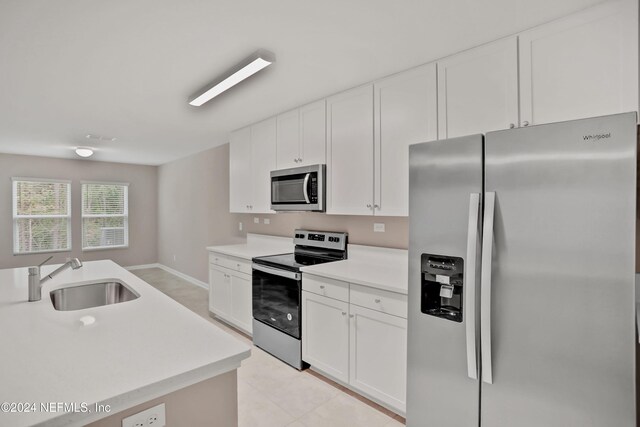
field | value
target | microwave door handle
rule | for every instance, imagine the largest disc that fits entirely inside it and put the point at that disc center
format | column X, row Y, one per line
column 305, row 187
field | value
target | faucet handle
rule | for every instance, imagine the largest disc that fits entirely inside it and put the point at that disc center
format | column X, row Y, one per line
column 45, row 261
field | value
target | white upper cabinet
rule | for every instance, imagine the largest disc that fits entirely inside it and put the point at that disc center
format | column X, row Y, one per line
column 350, row 152
column 478, row 90
column 581, row 66
column 405, row 113
column 313, row 134
column 252, row 157
column 263, row 160
column 301, row 136
column 240, row 176
column 288, row 139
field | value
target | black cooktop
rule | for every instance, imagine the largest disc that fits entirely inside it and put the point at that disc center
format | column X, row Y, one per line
column 293, row 261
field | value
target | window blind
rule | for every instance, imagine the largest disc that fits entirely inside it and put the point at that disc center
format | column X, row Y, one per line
column 41, row 215
column 105, row 215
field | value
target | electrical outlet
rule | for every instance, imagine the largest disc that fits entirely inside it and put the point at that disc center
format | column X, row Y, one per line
column 240, row 226
column 152, row 417
column 256, row 220
column 378, row 227
column 266, row 221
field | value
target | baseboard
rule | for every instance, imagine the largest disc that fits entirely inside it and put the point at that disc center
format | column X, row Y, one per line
column 183, row 276
column 142, row 266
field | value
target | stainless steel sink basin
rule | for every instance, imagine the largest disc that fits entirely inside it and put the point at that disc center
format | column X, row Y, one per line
column 91, row 295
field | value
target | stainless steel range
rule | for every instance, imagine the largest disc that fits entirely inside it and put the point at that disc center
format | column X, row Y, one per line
column 277, row 292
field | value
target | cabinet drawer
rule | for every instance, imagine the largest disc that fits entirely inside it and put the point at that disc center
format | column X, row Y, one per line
column 232, row 263
column 327, row 287
column 379, row 300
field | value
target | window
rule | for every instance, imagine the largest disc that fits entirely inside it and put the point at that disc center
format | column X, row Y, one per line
column 41, row 215
column 105, row 215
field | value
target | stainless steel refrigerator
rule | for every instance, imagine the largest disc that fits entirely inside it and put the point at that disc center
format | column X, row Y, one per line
column 521, row 277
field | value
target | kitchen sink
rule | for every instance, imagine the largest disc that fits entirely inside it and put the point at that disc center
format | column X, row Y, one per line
column 90, row 295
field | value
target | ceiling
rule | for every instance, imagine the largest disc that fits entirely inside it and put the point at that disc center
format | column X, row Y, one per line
column 126, row 68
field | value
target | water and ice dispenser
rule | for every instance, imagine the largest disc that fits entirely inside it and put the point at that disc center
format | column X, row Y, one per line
column 441, row 288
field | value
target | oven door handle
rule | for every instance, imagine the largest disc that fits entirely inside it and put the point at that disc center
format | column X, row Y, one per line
column 305, row 187
column 277, row 272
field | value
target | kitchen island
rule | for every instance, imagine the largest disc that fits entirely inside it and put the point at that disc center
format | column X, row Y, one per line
column 73, row 372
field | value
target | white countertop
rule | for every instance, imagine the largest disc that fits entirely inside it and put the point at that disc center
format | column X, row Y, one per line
column 135, row 351
column 256, row 245
column 381, row 268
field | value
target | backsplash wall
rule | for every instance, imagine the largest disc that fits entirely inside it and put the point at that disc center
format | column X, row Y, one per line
column 360, row 228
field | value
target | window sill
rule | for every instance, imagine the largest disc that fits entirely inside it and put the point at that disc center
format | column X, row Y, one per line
column 104, row 248
column 53, row 251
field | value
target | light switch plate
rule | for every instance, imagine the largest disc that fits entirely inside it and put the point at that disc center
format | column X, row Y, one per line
column 240, row 226
column 378, row 227
column 152, row 417
column 256, row 220
column 266, row 221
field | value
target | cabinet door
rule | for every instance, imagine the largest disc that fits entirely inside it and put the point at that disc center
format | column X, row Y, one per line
column 288, row 140
column 263, row 161
column 478, row 90
column 378, row 355
column 350, row 152
column 405, row 113
column 241, row 303
column 313, row 134
column 219, row 293
column 240, row 175
column 325, row 335
column 581, row 66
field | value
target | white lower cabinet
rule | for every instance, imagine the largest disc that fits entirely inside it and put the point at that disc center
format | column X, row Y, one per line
column 219, row 292
column 230, row 296
column 363, row 348
column 325, row 332
column 378, row 355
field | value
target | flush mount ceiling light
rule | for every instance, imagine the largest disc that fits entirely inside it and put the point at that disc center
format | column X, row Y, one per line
column 84, row 151
column 251, row 65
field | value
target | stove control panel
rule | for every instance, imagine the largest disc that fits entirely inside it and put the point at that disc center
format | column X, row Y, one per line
column 321, row 239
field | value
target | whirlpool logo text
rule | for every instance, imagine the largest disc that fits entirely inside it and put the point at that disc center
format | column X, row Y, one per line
column 597, row 137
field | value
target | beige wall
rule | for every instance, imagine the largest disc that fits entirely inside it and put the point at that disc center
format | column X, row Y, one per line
column 360, row 228
column 143, row 192
column 191, row 220
column 193, row 210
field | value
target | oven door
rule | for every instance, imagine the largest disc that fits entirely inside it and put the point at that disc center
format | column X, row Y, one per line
column 276, row 298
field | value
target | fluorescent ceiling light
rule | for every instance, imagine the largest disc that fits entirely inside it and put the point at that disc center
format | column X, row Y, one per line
column 246, row 68
column 84, row 151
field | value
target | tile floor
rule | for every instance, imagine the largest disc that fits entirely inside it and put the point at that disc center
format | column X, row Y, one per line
column 272, row 394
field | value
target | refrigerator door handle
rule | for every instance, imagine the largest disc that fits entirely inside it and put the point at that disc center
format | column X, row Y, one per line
column 470, row 285
column 485, row 287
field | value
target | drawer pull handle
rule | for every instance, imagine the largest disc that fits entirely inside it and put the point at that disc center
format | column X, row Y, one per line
column 344, row 313
column 321, row 286
column 377, row 300
column 351, row 316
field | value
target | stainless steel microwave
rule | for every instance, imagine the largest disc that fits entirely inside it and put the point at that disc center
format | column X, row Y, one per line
column 298, row 189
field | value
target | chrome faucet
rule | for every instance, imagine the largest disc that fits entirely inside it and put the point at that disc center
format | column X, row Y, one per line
column 35, row 281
